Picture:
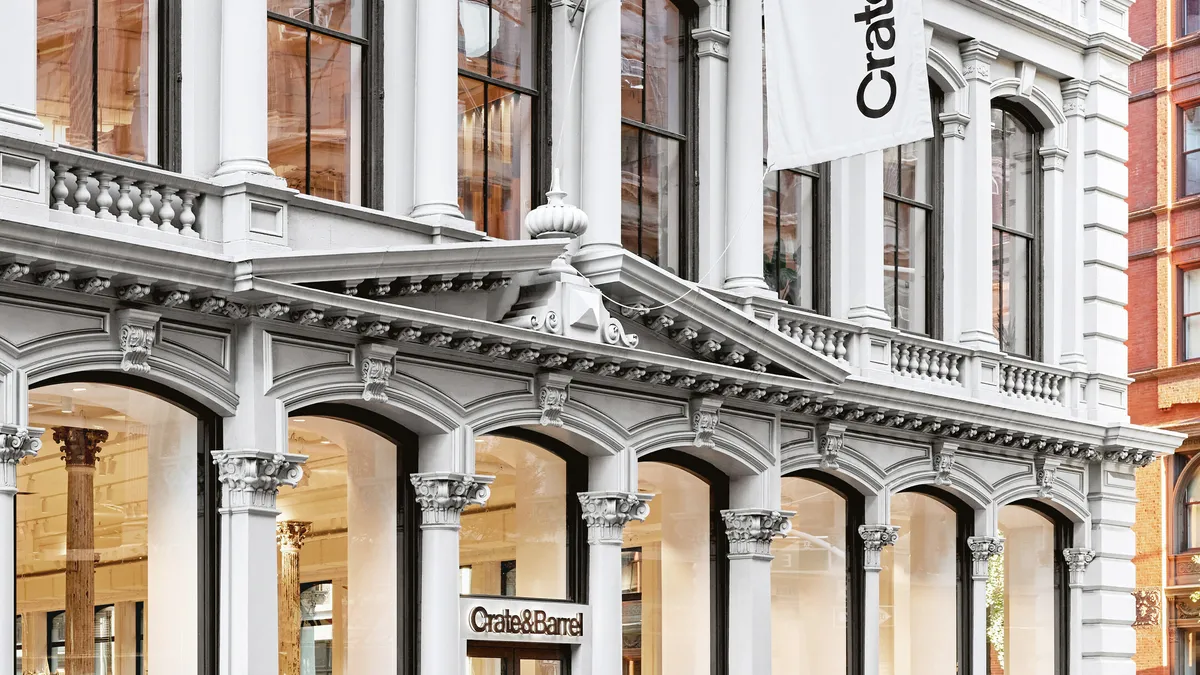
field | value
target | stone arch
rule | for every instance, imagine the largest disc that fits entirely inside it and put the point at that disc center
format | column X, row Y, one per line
column 733, row 452
column 1038, row 104
column 418, row 407
column 1070, row 506
column 853, row 468
column 963, row 485
column 949, row 79
column 585, row 432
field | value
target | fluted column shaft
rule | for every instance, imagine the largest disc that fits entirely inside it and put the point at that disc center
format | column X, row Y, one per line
column 290, row 534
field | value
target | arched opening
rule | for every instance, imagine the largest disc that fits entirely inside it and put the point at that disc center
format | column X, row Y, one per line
column 116, row 522
column 675, row 570
column 817, row 578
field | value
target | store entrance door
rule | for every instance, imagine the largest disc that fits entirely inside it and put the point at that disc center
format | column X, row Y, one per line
column 496, row 659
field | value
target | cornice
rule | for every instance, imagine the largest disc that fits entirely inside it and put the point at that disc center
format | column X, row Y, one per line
column 1056, row 30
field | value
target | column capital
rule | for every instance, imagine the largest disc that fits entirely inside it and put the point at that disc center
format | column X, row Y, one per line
column 290, row 534
column 983, row 549
column 1075, row 95
column 443, row 495
column 250, row 479
column 1078, row 560
column 977, row 60
column 875, row 537
column 750, row 531
column 607, row 513
column 16, row 443
column 1054, row 158
column 79, row 446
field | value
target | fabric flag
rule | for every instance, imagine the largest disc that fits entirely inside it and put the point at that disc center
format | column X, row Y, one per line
column 844, row 77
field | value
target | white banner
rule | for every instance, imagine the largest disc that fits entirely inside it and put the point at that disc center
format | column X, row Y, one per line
column 844, row 77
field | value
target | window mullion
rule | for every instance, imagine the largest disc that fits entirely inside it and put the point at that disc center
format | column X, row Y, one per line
column 95, row 75
column 308, row 111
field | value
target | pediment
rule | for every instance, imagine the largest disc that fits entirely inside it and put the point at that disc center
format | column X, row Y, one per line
column 667, row 310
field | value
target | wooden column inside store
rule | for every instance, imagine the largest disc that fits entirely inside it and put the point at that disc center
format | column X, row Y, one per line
column 290, row 535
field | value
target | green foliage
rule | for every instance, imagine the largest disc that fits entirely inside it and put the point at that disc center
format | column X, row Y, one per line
column 994, row 593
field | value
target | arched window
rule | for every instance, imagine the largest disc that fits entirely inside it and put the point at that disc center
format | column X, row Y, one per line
column 1189, row 509
column 1025, row 593
column 1016, row 229
column 674, row 569
column 920, row 594
column 110, row 530
column 654, row 108
column 499, row 112
column 816, row 619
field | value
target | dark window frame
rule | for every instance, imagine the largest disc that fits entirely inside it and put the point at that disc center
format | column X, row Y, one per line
column 371, row 95
column 1187, row 467
column 208, row 492
column 541, row 98
column 818, row 277
column 1181, row 355
column 1184, row 28
column 1183, row 153
column 1035, row 235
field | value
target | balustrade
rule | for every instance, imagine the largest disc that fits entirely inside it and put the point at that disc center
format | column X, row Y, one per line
column 926, row 362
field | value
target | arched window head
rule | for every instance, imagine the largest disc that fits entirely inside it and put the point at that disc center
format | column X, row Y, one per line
column 1191, row 511
column 1016, row 177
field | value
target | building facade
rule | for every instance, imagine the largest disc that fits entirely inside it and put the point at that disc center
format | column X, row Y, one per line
column 438, row 337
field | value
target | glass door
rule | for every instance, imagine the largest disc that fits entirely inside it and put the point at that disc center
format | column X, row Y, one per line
column 483, row 659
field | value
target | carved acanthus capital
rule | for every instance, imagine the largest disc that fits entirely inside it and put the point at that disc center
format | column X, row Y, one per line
column 290, row 534
column 750, row 531
column 706, row 417
column 607, row 513
column 16, row 443
column 977, row 59
column 443, row 496
column 1078, row 560
column 79, row 445
column 983, row 549
column 875, row 537
column 1075, row 95
column 250, row 479
column 552, row 395
column 831, row 439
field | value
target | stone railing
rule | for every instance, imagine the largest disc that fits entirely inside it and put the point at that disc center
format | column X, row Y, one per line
column 927, row 360
column 1033, row 381
column 125, row 192
column 820, row 334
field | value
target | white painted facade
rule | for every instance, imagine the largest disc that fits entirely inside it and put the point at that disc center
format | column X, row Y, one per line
column 223, row 285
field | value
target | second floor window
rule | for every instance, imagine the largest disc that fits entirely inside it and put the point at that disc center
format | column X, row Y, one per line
column 1191, row 16
column 1190, row 164
column 98, row 68
column 1015, row 207
column 316, row 58
column 497, row 100
column 1191, row 314
column 653, row 53
column 791, row 208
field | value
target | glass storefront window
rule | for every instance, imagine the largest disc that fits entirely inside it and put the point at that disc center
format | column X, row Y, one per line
column 808, row 582
column 346, row 580
column 105, row 533
column 97, row 73
column 1021, row 609
column 516, row 544
column 918, row 589
column 667, row 627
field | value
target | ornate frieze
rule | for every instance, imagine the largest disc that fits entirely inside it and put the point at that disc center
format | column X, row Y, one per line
column 16, row 443
column 750, row 531
column 135, row 338
column 943, row 461
column 831, row 438
column 1147, row 603
column 607, row 513
column 442, row 496
column 251, row 478
column 706, row 417
column 1078, row 560
column 552, row 395
column 983, row 549
column 875, row 537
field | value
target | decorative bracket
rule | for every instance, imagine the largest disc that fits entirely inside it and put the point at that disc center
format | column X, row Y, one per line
column 135, row 338
column 706, row 416
column 375, row 369
column 750, row 531
column 943, row 460
column 831, row 438
column 1045, row 471
column 607, row 513
column 552, row 395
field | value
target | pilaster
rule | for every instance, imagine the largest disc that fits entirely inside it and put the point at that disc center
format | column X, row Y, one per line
column 18, row 53
column 750, row 532
column 1102, row 575
column 712, row 52
column 875, row 538
column 1074, row 93
column 1055, row 304
column 954, row 158
column 16, row 443
column 982, row 550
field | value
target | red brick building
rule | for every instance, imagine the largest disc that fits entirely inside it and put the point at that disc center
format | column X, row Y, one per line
column 1164, row 325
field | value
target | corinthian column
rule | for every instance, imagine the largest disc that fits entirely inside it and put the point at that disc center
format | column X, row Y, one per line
column 16, row 443
column 606, row 514
column 874, row 537
column 79, row 450
column 1078, row 560
column 750, row 532
column 290, row 534
column 442, row 497
column 250, row 481
column 982, row 549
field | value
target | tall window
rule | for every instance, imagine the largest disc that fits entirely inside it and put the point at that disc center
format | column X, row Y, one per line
column 1189, row 508
column 1015, row 216
column 98, row 75
column 1191, row 314
column 1190, row 164
column 316, row 56
column 653, row 76
column 909, row 223
column 791, row 203
column 497, row 97
column 1191, row 16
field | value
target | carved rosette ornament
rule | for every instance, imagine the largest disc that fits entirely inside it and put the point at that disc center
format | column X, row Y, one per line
column 1078, row 560
column 251, row 478
column 750, row 531
column 16, row 443
column 607, row 513
column 443, row 496
column 875, row 537
column 983, row 549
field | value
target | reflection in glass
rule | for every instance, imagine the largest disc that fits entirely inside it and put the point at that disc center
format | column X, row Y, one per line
column 808, row 582
column 1191, row 314
column 516, row 544
column 347, row 581
column 667, row 627
column 143, row 533
column 918, row 589
column 97, row 75
column 1014, row 208
column 789, row 214
column 1021, row 612
column 495, row 157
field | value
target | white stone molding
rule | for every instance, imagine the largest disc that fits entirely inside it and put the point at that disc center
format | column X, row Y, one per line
column 135, row 337
column 977, row 58
column 875, row 537
column 1075, row 96
column 943, row 461
column 705, row 414
column 251, row 479
column 1045, row 473
column 375, row 370
column 831, row 440
column 983, row 549
column 552, row 395
column 607, row 513
column 1078, row 560
column 16, row 443
column 443, row 496
column 750, row 531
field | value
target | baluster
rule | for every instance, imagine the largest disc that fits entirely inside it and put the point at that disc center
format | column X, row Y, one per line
column 923, row 364
column 166, row 212
column 830, row 342
column 840, row 352
column 82, row 194
column 895, row 356
column 944, row 366
column 819, row 339
column 187, row 216
column 1028, row 382
column 1054, row 388
column 145, row 205
column 954, row 359
column 124, row 202
column 60, row 191
column 807, row 340
column 1009, row 379
column 104, row 200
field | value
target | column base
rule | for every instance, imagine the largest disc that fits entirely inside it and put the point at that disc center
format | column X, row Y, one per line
column 873, row 317
column 749, row 287
column 20, row 123
column 246, row 165
column 456, row 221
column 980, row 340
